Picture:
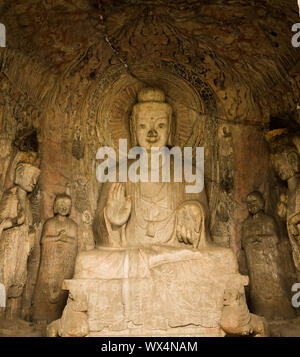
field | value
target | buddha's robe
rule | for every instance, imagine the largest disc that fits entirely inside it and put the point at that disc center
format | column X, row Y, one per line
column 153, row 215
column 145, row 274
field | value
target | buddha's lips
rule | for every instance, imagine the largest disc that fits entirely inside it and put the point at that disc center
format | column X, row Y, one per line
column 152, row 139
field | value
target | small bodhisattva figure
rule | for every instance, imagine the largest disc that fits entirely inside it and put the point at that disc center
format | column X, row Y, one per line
column 286, row 163
column 17, row 237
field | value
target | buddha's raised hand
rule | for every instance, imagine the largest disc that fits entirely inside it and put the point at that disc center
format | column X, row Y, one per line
column 188, row 220
column 118, row 206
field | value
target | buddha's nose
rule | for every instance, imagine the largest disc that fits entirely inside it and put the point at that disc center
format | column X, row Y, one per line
column 152, row 133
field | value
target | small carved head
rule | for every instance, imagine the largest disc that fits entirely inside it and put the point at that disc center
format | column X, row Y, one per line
column 286, row 162
column 27, row 176
column 255, row 202
column 62, row 204
column 284, row 154
column 151, row 120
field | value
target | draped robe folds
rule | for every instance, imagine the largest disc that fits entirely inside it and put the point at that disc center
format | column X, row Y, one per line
column 260, row 240
column 140, row 272
column 153, row 216
column 56, row 265
column 15, row 248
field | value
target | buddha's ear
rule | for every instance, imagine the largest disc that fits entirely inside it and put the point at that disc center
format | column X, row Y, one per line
column 20, row 170
column 293, row 159
column 171, row 130
column 170, row 139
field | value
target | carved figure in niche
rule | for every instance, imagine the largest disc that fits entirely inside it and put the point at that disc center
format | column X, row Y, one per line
column 260, row 242
column 156, row 266
column 58, row 253
column 17, row 236
column 156, row 213
column 286, row 163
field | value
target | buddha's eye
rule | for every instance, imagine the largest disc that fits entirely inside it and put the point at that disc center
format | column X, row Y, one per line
column 161, row 125
column 142, row 126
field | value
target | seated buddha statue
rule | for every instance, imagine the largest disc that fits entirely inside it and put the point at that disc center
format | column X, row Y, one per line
column 154, row 270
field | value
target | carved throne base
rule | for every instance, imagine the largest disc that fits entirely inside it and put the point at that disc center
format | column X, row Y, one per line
column 150, row 295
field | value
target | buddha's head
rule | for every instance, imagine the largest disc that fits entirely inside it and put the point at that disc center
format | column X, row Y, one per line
column 27, row 176
column 151, row 120
column 62, row 204
column 255, row 202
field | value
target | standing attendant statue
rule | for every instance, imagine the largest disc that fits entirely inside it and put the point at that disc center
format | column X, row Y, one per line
column 260, row 241
column 58, row 254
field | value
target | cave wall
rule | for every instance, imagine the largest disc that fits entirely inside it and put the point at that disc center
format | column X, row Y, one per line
column 71, row 71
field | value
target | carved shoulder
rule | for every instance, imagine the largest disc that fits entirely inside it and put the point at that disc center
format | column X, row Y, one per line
column 9, row 193
column 49, row 224
column 271, row 225
column 73, row 223
column 73, row 226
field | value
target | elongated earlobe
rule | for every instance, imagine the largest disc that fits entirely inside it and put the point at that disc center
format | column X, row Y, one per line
column 19, row 174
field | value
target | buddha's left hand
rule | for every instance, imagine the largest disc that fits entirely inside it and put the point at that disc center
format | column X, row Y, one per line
column 188, row 223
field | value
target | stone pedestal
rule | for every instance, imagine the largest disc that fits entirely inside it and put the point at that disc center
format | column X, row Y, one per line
column 170, row 293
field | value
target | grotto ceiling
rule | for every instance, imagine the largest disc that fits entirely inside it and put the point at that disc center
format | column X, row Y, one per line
column 241, row 49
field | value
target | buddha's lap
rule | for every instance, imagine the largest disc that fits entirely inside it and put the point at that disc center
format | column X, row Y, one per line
column 141, row 262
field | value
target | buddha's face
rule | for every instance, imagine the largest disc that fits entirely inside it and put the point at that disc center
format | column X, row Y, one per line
column 27, row 177
column 63, row 206
column 254, row 204
column 152, row 128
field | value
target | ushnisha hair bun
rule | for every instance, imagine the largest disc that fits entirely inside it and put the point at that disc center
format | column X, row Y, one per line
column 151, row 95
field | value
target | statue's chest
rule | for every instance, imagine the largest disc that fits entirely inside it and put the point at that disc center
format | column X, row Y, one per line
column 59, row 226
column 153, row 206
column 153, row 201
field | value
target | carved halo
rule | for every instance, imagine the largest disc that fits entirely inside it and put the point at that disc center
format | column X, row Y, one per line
column 115, row 106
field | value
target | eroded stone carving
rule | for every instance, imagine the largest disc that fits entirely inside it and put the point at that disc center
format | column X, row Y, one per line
column 59, row 250
column 236, row 318
column 154, row 269
column 202, row 42
column 260, row 241
column 17, row 236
